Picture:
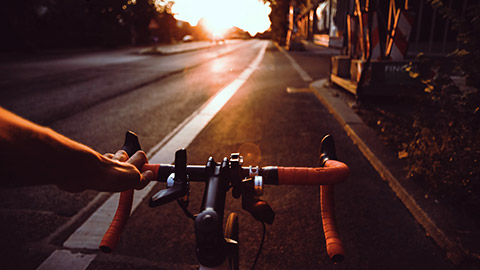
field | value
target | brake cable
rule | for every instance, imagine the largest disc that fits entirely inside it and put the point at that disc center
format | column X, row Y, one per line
column 261, row 245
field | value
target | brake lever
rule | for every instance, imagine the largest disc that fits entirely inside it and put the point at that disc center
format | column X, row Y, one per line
column 327, row 150
column 180, row 187
column 131, row 145
column 259, row 209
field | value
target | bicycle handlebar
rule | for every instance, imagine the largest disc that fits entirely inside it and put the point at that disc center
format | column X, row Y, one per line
column 112, row 235
column 334, row 244
column 333, row 172
column 336, row 172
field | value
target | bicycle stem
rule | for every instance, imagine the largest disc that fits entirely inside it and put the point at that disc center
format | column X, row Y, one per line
column 211, row 245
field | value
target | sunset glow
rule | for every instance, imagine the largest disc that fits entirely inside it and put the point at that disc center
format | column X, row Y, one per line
column 219, row 15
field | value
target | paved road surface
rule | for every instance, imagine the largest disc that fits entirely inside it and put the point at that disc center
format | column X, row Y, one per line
column 95, row 97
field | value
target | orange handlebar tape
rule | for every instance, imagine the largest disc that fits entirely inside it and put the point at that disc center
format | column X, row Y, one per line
column 333, row 242
column 112, row 236
column 334, row 173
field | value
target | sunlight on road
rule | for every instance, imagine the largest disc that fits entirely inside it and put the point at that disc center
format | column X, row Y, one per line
column 220, row 66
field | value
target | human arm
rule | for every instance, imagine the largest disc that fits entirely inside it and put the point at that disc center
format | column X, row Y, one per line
column 36, row 155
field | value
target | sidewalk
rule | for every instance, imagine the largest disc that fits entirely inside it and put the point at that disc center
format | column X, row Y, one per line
column 454, row 234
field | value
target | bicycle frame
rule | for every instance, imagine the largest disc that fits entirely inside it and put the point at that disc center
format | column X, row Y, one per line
column 212, row 247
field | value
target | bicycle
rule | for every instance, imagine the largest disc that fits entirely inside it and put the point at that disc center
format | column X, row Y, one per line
column 216, row 248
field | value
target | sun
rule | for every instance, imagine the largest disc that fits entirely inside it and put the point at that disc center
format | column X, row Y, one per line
column 215, row 26
column 220, row 15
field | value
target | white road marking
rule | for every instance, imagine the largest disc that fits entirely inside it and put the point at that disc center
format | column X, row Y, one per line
column 295, row 65
column 64, row 259
column 90, row 233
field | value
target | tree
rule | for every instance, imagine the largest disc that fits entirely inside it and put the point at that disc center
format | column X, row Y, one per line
column 37, row 24
column 279, row 19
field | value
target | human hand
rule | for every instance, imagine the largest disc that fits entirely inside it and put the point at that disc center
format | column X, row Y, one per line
column 55, row 159
column 111, row 173
column 138, row 160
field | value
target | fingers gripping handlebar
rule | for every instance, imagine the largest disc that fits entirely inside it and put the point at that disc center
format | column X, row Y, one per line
column 112, row 236
column 331, row 172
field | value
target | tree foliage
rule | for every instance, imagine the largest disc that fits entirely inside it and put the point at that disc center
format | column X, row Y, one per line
column 467, row 54
column 36, row 24
column 445, row 151
column 279, row 19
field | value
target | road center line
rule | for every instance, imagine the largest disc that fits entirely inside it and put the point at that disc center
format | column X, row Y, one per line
column 90, row 233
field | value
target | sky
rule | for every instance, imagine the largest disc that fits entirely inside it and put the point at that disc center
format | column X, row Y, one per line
column 219, row 15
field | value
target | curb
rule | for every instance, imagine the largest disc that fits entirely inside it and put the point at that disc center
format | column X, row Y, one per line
column 157, row 50
column 372, row 149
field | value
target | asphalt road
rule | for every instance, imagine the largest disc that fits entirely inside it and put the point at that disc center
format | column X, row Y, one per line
column 95, row 97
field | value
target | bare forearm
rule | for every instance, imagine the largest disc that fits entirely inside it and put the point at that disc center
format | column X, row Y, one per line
column 35, row 155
